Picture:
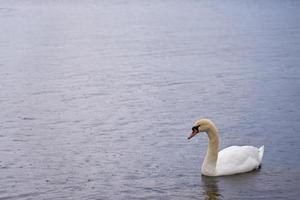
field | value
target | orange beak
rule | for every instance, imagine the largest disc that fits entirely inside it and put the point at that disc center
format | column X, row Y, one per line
column 192, row 134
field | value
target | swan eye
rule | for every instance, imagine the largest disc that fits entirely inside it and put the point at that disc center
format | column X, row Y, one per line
column 195, row 128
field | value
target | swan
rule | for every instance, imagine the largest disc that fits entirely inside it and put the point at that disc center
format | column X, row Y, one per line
column 229, row 161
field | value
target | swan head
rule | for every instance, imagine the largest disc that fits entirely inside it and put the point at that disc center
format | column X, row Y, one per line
column 202, row 125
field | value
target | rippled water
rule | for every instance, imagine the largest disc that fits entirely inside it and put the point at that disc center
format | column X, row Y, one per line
column 97, row 97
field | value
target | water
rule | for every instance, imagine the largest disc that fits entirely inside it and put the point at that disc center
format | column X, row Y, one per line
column 97, row 97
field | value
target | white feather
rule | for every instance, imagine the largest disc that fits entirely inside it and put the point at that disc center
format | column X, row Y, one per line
column 238, row 159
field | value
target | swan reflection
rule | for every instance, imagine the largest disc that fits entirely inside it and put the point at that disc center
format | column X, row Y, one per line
column 211, row 189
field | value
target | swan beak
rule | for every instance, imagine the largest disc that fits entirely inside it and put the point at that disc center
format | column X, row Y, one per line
column 192, row 134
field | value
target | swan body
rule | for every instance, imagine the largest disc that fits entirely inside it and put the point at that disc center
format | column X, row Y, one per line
column 229, row 161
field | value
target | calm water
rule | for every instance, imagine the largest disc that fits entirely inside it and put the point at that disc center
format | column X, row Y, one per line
column 97, row 97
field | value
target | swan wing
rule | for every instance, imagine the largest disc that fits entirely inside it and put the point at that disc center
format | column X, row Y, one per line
column 238, row 159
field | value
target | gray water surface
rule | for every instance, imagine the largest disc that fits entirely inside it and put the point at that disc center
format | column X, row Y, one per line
column 97, row 98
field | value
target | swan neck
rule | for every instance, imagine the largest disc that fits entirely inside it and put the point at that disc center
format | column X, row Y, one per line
column 213, row 147
column 213, row 136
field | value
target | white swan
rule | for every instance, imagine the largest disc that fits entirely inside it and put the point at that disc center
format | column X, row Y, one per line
column 232, row 160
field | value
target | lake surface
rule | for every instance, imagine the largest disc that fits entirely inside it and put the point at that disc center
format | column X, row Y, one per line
column 97, row 98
